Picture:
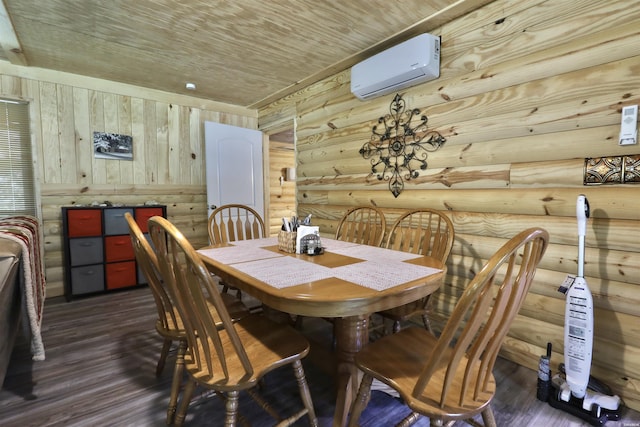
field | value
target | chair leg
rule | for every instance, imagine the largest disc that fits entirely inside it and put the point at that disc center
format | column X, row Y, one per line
column 231, row 408
column 427, row 323
column 334, row 335
column 396, row 326
column 166, row 346
column 241, row 419
column 487, row 417
column 425, row 315
column 176, row 382
column 305, row 394
column 409, row 420
column 298, row 323
column 184, row 403
column 225, row 289
column 361, row 401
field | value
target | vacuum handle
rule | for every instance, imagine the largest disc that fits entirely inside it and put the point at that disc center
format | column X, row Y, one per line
column 582, row 213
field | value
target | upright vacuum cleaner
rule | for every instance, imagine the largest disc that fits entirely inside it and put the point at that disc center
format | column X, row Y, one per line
column 573, row 389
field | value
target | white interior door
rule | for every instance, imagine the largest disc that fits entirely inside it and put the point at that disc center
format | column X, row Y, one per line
column 234, row 166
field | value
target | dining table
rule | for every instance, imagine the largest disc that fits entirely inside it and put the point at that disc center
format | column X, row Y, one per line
column 346, row 282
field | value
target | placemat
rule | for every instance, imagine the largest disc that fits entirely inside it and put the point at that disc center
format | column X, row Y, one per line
column 238, row 254
column 260, row 243
column 382, row 276
column 372, row 253
column 284, row 272
column 334, row 245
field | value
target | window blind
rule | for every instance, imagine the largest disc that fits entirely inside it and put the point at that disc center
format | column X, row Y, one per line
column 17, row 190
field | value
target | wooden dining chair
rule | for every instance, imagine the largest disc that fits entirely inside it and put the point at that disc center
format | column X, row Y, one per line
column 364, row 224
column 229, row 223
column 426, row 232
column 169, row 324
column 236, row 356
column 232, row 222
column 450, row 377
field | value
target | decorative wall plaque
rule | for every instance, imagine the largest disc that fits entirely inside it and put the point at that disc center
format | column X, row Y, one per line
column 612, row 170
column 631, row 169
column 398, row 151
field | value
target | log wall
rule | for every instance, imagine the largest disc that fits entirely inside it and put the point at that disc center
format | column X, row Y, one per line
column 168, row 150
column 527, row 91
column 282, row 194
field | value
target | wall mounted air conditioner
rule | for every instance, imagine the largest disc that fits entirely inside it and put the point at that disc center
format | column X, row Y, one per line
column 414, row 61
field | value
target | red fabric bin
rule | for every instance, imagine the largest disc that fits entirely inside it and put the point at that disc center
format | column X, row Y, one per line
column 121, row 274
column 84, row 222
column 143, row 215
column 118, row 248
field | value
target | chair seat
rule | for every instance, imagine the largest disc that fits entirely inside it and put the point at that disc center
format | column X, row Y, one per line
column 236, row 308
column 278, row 345
column 405, row 348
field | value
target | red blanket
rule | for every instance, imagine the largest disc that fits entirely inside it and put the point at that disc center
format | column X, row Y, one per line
column 25, row 231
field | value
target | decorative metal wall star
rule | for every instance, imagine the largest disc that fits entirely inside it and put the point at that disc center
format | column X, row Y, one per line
column 398, row 150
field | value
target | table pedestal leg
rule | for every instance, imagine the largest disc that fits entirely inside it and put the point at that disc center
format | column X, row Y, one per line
column 352, row 333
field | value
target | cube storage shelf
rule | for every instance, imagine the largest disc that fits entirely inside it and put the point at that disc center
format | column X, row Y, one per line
column 98, row 253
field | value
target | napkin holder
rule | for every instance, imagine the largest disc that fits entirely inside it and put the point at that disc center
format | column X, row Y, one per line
column 304, row 230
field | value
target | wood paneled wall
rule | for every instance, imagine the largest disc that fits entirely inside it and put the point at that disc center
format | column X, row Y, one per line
column 282, row 194
column 168, row 150
column 527, row 91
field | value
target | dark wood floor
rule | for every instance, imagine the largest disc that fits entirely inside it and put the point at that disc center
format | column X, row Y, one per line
column 101, row 353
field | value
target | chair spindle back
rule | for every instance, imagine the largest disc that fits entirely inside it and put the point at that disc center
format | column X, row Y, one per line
column 148, row 263
column 423, row 231
column 192, row 286
column 364, row 225
column 229, row 223
column 472, row 336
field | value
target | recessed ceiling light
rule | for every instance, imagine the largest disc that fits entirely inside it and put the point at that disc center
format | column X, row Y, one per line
column 191, row 86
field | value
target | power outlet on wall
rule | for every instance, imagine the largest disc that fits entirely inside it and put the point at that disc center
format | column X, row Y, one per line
column 629, row 125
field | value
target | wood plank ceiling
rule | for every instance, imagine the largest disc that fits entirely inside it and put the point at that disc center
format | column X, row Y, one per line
column 246, row 53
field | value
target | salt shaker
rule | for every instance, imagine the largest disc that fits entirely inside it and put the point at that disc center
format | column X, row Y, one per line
column 311, row 247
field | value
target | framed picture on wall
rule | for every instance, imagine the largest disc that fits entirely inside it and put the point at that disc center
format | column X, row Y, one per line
column 112, row 146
